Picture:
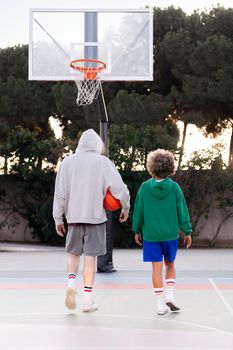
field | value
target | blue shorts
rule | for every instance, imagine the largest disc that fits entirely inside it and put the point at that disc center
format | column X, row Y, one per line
column 159, row 251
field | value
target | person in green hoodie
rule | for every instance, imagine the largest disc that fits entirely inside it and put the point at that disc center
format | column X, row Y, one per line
column 160, row 212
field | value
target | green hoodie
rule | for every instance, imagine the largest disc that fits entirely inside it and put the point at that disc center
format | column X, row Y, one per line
column 160, row 211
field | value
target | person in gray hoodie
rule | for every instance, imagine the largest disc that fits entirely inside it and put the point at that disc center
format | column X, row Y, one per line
column 82, row 182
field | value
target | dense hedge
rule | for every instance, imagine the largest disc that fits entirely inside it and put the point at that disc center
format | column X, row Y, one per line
column 32, row 197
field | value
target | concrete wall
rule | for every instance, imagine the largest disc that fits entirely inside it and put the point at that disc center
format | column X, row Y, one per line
column 208, row 227
column 13, row 226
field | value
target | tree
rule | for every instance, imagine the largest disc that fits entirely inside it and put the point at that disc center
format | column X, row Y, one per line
column 139, row 125
column 210, row 88
column 73, row 119
column 23, row 103
column 33, row 170
column 27, row 152
column 138, row 110
column 129, row 145
column 198, row 59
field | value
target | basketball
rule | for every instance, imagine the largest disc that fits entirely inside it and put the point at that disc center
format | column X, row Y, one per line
column 111, row 203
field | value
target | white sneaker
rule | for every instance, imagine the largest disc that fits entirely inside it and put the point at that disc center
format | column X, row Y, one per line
column 89, row 306
column 162, row 309
column 70, row 300
column 171, row 303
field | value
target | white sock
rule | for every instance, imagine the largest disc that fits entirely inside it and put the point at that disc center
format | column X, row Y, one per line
column 72, row 280
column 170, row 288
column 161, row 306
column 87, row 294
column 170, row 283
column 158, row 292
column 159, row 296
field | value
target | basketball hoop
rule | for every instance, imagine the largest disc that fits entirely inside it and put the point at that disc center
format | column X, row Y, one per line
column 87, row 80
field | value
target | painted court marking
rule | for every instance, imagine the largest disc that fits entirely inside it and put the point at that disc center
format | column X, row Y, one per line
column 205, row 331
column 116, row 348
column 19, row 286
column 221, row 296
column 98, row 315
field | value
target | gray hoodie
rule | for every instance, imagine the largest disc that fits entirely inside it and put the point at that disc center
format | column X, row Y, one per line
column 82, row 181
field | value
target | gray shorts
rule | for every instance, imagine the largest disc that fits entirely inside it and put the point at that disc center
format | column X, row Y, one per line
column 86, row 239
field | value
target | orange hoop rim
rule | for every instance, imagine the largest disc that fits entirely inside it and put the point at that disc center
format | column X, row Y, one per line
column 88, row 71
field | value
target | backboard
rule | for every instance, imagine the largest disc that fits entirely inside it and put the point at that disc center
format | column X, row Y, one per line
column 123, row 39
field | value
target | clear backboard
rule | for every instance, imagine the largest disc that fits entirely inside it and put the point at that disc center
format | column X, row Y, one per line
column 122, row 39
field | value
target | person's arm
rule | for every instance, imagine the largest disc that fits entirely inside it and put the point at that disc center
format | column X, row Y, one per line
column 183, row 217
column 187, row 241
column 59, row 202
column 118, row 189
column 138, row 217
column 138, row 239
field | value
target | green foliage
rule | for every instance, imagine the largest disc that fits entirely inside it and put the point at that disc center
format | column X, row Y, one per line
column 36, row 190
column 72, row 118
column 27, row 152
column 139, row 125
column 33, row 165
column 13, row 62
column 129, row 145
column 200, row 181
column 138, row 110
column 133, row 180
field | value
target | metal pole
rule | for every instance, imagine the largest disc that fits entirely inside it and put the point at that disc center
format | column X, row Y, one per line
column 104, row 262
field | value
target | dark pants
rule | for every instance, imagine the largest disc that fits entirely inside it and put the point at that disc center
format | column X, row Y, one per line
column 104, row 262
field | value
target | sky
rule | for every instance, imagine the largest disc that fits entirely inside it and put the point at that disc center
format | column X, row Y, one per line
column 14, row 14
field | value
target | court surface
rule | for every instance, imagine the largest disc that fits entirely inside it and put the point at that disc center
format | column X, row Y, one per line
column 33, row 315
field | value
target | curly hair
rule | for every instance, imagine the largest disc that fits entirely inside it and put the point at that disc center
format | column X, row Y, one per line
column 160, row 163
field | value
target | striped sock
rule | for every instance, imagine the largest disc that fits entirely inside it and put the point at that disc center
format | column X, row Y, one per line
column 87, row 293
column 72, row 280
column 170, row 289
column 161, row 307
column 170, row 283
column 158, row 292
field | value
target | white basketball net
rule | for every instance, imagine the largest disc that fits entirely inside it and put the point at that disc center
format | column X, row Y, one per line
column 87, row 81
column 88, row 90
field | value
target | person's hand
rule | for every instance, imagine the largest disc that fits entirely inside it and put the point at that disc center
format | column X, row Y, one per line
column 188, row 241
column 123, row 216
column 60, row 230
column 138, row 239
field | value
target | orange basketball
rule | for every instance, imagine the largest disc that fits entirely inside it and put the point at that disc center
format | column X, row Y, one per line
column 111, row 203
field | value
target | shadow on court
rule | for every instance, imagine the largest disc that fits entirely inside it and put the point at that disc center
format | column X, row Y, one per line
column 33, row 315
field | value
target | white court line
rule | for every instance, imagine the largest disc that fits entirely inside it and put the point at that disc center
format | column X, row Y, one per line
column 221, row 296
column 115, row 348
column 118, row 278
column 187, row 324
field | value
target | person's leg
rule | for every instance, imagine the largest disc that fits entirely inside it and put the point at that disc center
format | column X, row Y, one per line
column 89, row 270
column 94, row 245
column 88, row 281
column 153, row 252
column 157, row 280
column 74, row 249
column 170, row 286
column 170, row 276
column 170, row 270
column 72, row 269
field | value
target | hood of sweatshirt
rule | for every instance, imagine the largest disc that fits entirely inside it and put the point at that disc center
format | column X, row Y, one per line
column 160, row 189
column 90, row 141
